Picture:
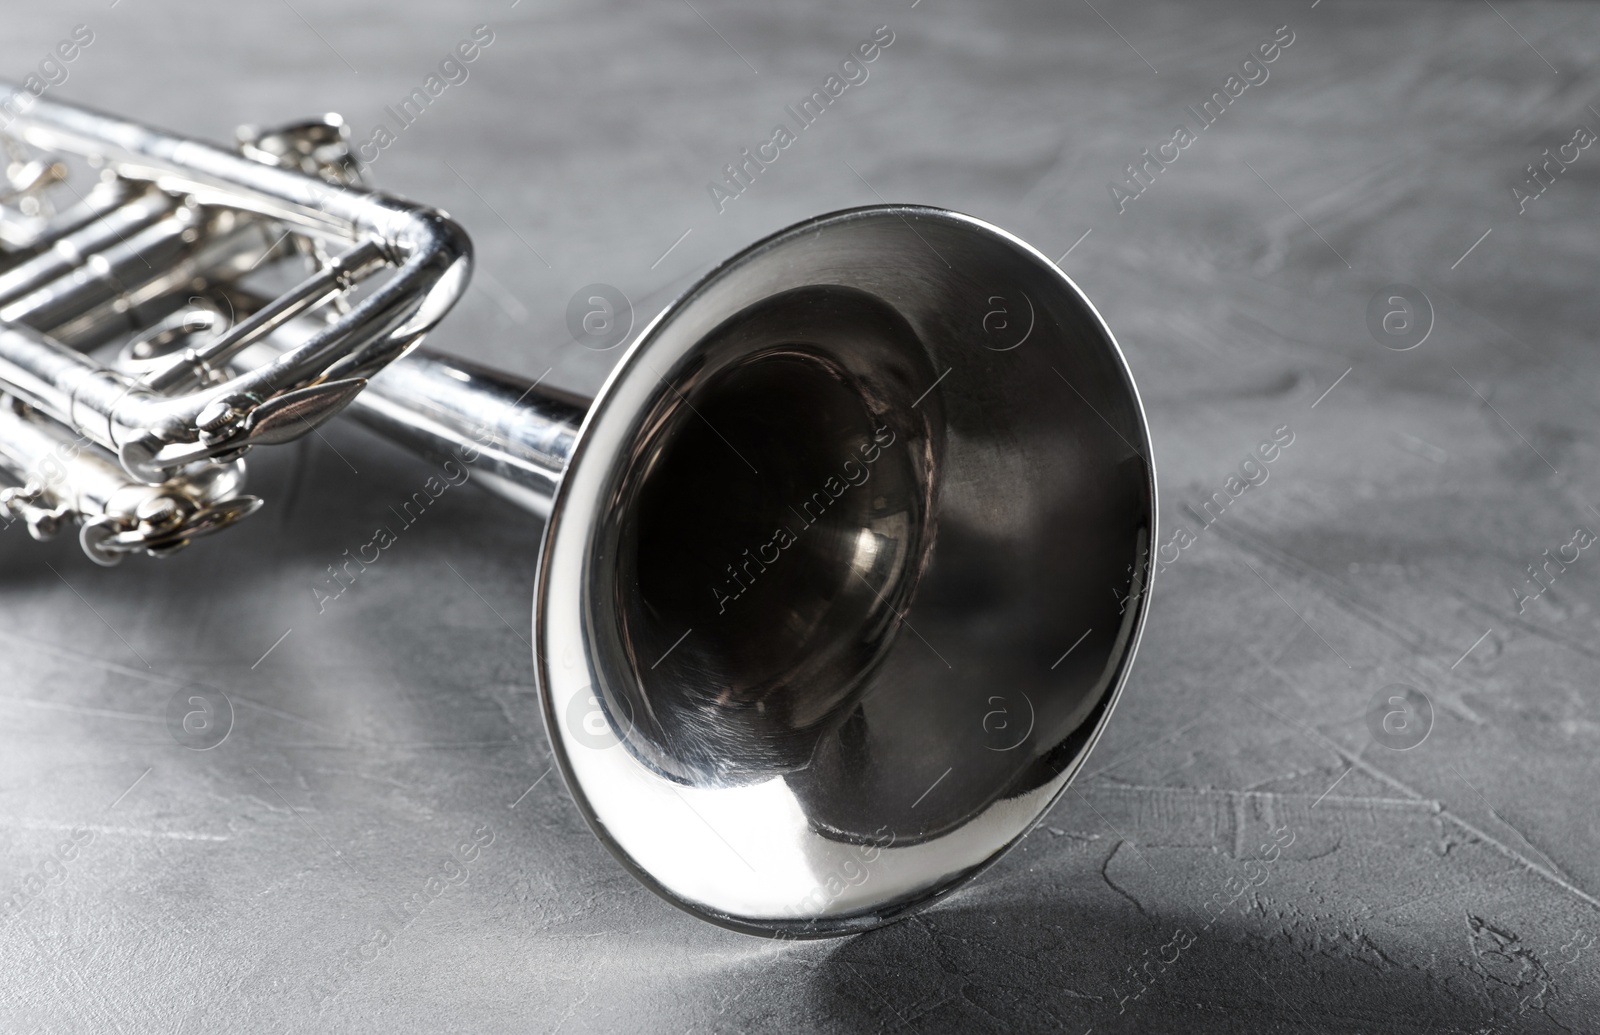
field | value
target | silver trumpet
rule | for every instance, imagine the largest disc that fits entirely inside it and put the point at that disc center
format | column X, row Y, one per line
column 841, row 573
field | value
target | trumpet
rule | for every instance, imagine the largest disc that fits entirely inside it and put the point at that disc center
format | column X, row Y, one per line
column 841, row 573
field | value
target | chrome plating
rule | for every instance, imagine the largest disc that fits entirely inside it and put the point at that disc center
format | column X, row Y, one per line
column 842, row 571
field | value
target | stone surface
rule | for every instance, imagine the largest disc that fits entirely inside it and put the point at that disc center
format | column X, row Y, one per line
column 1449, row 887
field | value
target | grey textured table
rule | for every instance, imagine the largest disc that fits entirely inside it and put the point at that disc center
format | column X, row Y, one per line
column 1449, row 887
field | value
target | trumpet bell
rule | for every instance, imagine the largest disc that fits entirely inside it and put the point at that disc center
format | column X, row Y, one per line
column 846, row 571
